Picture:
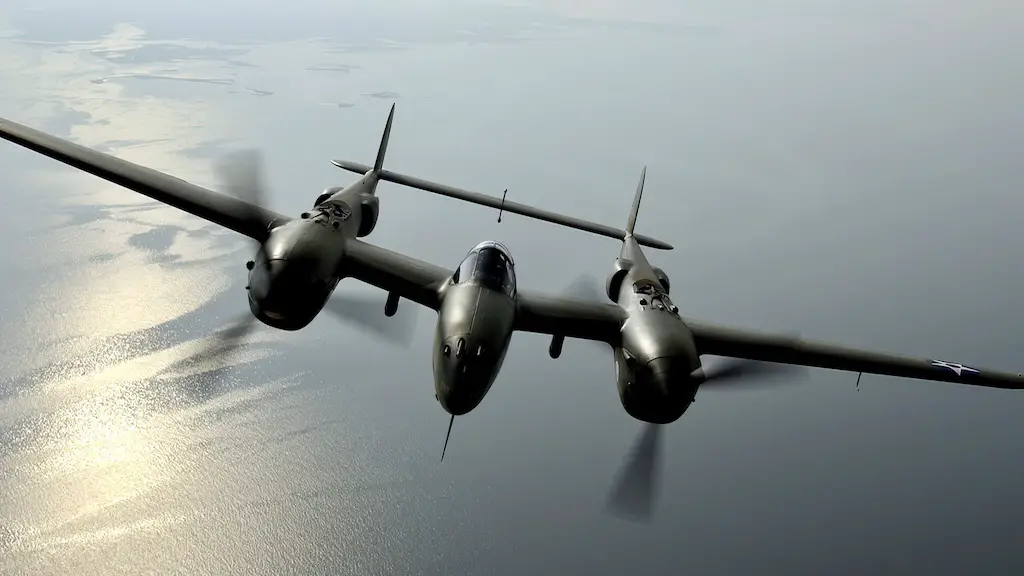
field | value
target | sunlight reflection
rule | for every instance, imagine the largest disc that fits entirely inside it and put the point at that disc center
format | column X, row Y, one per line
column 123, row 292
column 149, row 380
column 109, row 298
column 116, row 435
column 114, row 298
column 150, row 130
column 109, row 451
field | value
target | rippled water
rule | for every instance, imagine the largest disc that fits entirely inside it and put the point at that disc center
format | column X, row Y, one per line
column 845, row 173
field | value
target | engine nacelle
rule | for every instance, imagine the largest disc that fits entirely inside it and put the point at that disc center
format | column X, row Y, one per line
column 614, row 282
column 370, row 208
column 663, row 278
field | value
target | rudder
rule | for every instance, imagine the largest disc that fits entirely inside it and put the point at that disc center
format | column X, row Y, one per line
column 631, row 223
column 379, row 163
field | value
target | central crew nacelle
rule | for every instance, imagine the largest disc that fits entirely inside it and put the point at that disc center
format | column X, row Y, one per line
column 474, row 327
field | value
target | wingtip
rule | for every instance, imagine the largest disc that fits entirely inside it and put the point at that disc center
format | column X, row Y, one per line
column 354, row 167
column 653, row 243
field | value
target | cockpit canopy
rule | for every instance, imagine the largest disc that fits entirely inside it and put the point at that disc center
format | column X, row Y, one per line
column 489, row 264
column 496, row 245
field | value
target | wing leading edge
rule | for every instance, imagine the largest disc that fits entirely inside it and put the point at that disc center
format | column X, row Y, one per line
column 569, row 317
column 738, row 343
column 232, row 213
column 408, row 277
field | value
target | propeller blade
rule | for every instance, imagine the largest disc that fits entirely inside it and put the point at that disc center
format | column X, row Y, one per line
column 737, row 372
column 368, row 313
column 587, row 288
column 241, row 175
column 223, row 345
column 636, row 489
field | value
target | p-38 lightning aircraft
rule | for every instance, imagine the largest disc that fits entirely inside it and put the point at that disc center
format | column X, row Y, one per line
column 657, row 352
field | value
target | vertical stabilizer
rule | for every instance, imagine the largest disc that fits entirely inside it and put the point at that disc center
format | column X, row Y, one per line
column 631, row 223
column 379, row 163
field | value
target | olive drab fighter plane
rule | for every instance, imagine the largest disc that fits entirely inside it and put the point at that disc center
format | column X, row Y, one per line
column 657, row 351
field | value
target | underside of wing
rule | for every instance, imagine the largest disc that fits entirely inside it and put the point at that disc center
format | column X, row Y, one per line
column 501, row 204
column 396, row 273
column 232, row 213
column 569, row 317
column 738, row 343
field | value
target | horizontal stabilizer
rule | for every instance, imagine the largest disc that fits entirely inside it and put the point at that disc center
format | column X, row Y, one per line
column 499, row 204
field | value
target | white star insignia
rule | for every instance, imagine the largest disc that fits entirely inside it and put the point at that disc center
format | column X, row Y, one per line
column 955, row 367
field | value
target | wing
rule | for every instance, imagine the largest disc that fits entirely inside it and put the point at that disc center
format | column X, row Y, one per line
column 422, row 283
column 232, row 213
column 569, row 317
column 403, row 275
column 737, row 343
column 500, row 204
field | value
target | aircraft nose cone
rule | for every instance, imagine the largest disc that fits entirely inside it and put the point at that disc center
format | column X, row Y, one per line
column 462, row 390
column 466, row 373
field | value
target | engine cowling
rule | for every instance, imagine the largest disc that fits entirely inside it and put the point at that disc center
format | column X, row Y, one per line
column 370, row 208
column 663, row 278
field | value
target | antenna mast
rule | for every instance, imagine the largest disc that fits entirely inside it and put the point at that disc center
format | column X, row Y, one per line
column 447, row 436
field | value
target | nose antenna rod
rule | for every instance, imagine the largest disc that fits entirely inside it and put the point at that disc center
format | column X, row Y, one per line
column 447, row 436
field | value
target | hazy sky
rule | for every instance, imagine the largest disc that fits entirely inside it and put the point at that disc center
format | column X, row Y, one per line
column 848, row 171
